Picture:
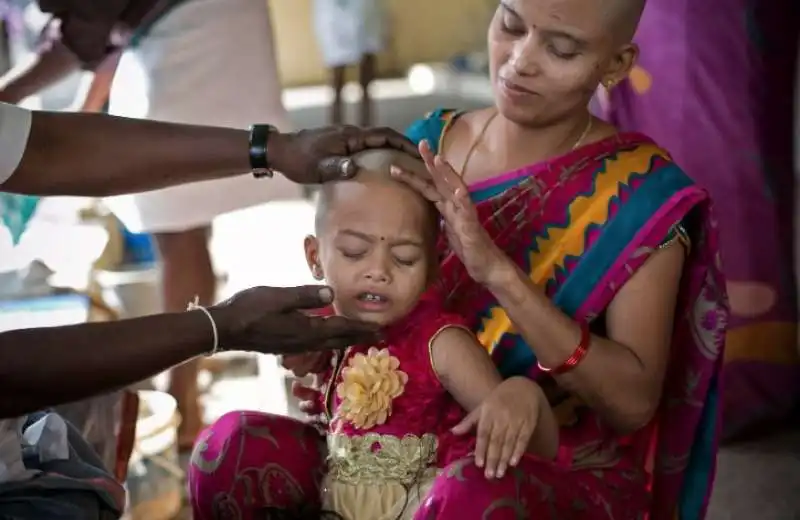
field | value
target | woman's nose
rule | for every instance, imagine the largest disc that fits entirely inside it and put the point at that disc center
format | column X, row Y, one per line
column 523, row 60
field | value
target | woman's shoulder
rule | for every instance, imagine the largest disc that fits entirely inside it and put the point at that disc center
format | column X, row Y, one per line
column 431, row 126
column 634, row 156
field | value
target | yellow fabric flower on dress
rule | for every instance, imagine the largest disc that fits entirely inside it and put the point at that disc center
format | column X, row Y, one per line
column 369, row 385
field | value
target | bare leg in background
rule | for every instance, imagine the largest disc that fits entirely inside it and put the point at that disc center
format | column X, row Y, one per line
column 186, row 272
column 366, row 75
column 337, row 83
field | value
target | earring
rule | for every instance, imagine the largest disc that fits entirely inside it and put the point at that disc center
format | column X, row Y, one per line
column 609, row 84
column 316, row 271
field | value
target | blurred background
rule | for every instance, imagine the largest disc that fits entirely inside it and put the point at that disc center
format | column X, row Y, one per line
column 79, row 259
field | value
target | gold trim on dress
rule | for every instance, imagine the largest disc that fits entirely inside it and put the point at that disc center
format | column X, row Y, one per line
column 376, row 458
column 433, row 338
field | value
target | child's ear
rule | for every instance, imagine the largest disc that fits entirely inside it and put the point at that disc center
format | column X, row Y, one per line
column 311, row 245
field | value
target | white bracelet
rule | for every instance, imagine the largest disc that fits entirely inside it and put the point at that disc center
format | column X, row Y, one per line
column 195, row 306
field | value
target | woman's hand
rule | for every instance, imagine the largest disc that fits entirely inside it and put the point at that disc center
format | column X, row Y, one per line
column 465, row 234
column 505, row 422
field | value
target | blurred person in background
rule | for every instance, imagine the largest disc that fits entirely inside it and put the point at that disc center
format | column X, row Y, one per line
column 715, row 85
column 209, row 62
column 350, row 33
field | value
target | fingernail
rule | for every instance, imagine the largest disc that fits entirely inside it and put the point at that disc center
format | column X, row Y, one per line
column 514, row 461
column 489, row 473
column 394, row 170
column 501, row 472
column 326, row 294
column 479, row 463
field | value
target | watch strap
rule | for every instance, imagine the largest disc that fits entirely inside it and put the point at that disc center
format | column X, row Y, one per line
column 259, row 158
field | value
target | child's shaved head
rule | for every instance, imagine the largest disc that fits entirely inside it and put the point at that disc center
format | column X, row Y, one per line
column 375, row 242
column 373, row 168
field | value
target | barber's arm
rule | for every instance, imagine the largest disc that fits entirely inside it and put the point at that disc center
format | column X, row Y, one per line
column 98, row 155
column 45, row 367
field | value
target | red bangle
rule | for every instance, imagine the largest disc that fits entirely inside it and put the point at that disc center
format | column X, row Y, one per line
column 576, row 357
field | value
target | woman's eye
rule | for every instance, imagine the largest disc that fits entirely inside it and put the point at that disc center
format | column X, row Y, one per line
column 561, row 53
column 511, row 25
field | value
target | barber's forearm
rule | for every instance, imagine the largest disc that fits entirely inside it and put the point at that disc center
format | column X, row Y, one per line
column 46, row 367
column 554, row 336
column 28, row 79
column 96, row 155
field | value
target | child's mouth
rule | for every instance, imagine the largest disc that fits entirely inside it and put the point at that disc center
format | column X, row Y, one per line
column 371, row 301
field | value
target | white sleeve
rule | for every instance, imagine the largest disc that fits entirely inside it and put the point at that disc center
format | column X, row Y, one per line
column 15, row 126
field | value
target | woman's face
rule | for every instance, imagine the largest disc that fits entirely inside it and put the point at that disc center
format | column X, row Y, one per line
column 547, row 57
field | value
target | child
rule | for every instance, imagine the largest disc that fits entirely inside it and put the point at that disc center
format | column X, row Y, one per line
column 350, row 32
column 392, row 405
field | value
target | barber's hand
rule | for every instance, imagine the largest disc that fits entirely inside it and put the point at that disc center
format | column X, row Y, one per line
column 505, row 422
column 323, row 154
column 269, row 320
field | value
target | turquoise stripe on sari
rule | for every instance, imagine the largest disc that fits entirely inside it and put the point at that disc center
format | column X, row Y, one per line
column 699, row 472
column 615, row 235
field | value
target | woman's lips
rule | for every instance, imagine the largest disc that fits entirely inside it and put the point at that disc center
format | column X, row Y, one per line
column 514, row 90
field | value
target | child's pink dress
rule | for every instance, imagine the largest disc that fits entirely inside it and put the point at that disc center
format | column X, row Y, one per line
column 390, row 420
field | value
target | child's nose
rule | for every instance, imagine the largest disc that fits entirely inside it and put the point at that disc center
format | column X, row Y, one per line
column 378, row 272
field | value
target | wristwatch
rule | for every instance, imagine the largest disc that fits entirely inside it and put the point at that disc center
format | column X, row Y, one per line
column 259, row 160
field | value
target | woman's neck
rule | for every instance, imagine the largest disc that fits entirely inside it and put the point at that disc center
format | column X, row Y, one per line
column 540, row 142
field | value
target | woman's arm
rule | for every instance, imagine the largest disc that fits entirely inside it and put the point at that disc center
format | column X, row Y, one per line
column 469, row 375
column 621, row 376
column 47, row 68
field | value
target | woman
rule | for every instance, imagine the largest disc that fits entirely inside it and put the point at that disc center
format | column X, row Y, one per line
column 586, row 261
column 733, row 133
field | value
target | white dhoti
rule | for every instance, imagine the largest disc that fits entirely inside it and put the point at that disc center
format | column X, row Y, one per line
column 209, row 62
column 349, row 29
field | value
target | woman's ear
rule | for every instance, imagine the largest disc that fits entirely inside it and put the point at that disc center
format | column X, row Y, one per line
column 621, row 65
column 311, row 246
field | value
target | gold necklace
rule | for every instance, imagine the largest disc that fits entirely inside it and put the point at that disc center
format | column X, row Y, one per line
column 586, row 131
column 479, row 138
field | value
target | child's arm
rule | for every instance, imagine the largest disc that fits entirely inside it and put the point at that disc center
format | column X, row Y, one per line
column 468, row 373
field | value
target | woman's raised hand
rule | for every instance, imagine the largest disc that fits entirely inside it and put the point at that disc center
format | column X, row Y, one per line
column 447, row 191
